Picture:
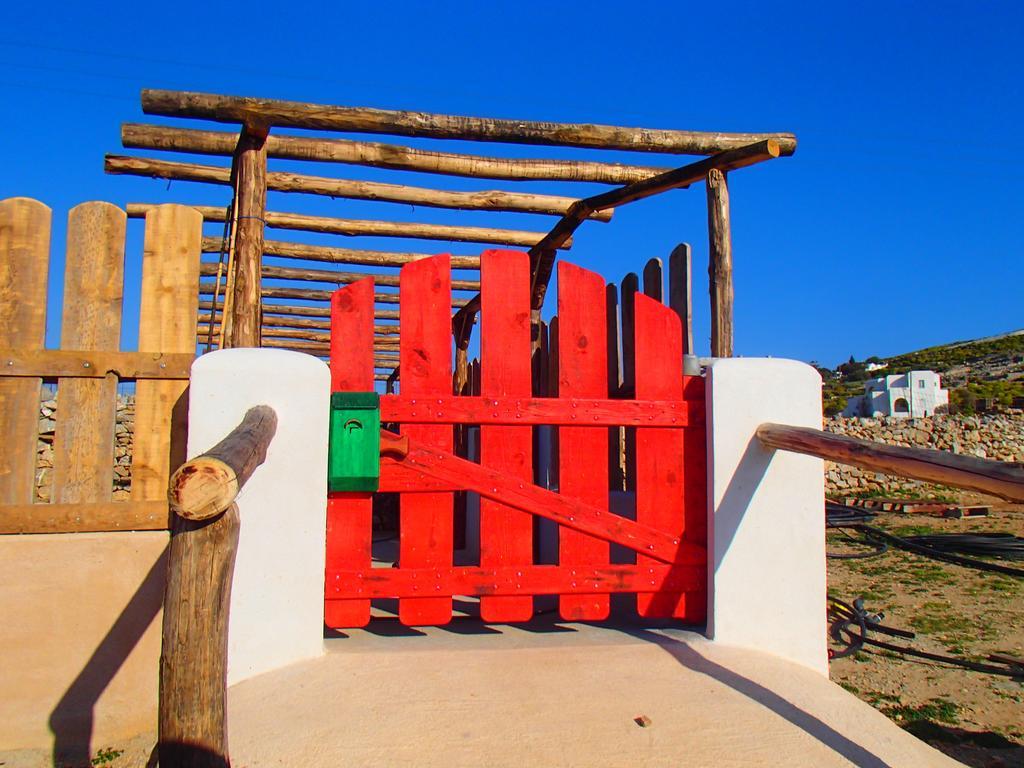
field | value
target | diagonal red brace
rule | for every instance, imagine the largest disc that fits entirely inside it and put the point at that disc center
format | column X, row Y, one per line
column 530, row 498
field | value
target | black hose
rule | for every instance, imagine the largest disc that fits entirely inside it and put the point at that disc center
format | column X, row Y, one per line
column 1004, row 545
column 910, row 545
column 846, row 616
column 877, row 547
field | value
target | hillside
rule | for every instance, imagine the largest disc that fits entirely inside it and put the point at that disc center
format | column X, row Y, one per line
column 978, row 369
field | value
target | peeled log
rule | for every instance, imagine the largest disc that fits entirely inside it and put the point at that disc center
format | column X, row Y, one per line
column 293, row 114
column 207, row 485
column 391, row 156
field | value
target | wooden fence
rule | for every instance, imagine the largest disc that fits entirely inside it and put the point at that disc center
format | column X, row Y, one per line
column 88, row 366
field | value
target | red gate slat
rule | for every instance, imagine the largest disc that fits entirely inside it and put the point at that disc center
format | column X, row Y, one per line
column 426, row 526
column 506, row 534
column 350, row 515
column 660, row 471
column 695, row 492
column 583, row 451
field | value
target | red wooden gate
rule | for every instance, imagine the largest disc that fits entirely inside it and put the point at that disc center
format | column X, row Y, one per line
column 667, row 412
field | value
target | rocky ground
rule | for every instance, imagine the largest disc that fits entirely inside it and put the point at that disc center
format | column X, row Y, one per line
column 974, row 717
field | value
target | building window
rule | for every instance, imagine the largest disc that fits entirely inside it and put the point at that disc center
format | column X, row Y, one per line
column 920, row 384
column 901, row 406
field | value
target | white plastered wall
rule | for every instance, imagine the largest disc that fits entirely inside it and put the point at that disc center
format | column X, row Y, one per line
column 766, row 526
column 277, row 595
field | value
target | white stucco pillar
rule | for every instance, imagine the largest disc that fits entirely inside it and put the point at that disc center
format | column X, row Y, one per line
column 766, row 527
column 277, row 596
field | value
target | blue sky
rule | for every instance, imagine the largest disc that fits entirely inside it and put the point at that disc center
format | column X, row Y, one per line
column 897, row 224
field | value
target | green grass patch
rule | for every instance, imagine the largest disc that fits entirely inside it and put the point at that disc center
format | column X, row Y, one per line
column 937, row 619
column 936, row 710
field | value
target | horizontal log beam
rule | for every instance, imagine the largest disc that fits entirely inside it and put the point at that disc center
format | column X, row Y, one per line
column 376, row 583
column 993, row 477
column 207, row 485
column 540, row 410
column 276, row 321
column 314, row 294
column 88, row 364
column 304, row 310
column 379, row 342
column 360, row 227
column 324, row 350
column 390, row 156
column 293, row 114
column 279, row 181
column 95, row 517
column 330, row 276
column 338, row 255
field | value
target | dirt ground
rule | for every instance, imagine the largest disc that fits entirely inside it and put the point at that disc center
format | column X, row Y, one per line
column 974, row 717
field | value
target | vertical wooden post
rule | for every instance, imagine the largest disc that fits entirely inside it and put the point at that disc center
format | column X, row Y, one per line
column 193, row 664
column 244, row 313
column 680, row 292
column 720, row 264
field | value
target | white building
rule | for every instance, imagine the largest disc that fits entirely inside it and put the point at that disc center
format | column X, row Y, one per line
column 913, row 394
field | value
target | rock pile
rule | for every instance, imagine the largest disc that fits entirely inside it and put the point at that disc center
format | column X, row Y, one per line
column 124, row 429
column 990, row 436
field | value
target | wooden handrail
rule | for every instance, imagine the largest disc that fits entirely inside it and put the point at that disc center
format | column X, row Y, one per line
column 201, row 562
column 207, row 485
column 985, row 475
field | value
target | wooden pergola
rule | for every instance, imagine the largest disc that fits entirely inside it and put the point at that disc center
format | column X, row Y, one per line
column 233, row 312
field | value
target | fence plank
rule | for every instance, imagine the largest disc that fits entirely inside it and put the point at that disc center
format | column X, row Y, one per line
column 506, row 534
column 616, row 470
column 24, row 260
column 426, row 537
column 680, row 292
column 83, row 442
column 653, row 282
column 583, row 459
column 660, row 471
column 169, row 304
column 695, row 491
column 350, row 515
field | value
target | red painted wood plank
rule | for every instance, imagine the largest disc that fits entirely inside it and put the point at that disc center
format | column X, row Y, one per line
column 695, row 493
column 426, row 525
column 513, row 411
column 565, row 510
column 583, row 451
column 660, row 475
column 350, row 515
column 506, row 534
column 515, row 580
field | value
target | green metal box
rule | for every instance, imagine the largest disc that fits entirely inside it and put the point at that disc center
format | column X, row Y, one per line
column 353, row 457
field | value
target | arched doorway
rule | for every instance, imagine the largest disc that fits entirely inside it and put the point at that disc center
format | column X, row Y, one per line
column 901, row 405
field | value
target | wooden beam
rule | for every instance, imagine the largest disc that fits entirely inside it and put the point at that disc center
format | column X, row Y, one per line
column 720, row 264
column 68, row 363
column 360, row 227
column 307, row 310
column 341, row 255
column 207, row 485
column 985, row 475
column 313, row 294
column 249, row 172
column 84, row 518
column 391, row 156
column 331, row 276
column 279, row 181
column 324, row 348
column 380, row 343
column 543, row 254
column 271, row 321
column 292, row 114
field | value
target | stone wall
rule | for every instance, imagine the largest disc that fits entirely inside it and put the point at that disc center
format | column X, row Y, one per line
column 124, row 429
column 993, row 436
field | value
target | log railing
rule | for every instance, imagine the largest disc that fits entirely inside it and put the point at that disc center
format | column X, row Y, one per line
column 985, row 475
column 204, row 541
